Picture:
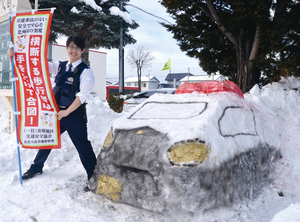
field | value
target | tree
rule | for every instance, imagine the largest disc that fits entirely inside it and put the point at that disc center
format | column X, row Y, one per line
column 139, row 57
column 96, row 24
column 237, row 38
column 284, row 56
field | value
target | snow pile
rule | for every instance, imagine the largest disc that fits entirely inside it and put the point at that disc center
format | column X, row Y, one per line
column 57, row 194
column 290, row 214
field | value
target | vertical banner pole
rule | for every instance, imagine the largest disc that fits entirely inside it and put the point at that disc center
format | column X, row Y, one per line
column 171, row 74
column 15, row 106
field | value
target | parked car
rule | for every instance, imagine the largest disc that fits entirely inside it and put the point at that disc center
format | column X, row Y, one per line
column 138, row 98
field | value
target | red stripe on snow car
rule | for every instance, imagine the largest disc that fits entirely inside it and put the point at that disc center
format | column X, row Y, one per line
column 210, row 87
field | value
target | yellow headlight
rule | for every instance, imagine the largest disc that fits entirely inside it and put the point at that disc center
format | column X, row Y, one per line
column 188, row 153
column 109, row 187
column 109, row 138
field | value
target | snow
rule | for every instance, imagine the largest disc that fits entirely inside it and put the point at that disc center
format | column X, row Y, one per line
column 169, row 120
column 57, row 194
column 90, row 3
column 113, row 10
column 116, row 11
column 74, row 9
column 290, row 214
column 93, row 4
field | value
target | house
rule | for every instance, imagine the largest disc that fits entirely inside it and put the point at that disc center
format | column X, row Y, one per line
column 147, row 82
column 164, row 85
column 201, row 78
column 109, row 83
column 173, row 79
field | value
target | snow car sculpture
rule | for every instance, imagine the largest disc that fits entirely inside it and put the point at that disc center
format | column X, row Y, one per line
column 190, row 152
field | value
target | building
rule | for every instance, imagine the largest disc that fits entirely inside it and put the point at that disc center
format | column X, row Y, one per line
column 147, row 82
column 201, row 78
column 173, row 79
column 164, row 85
column 6, row 92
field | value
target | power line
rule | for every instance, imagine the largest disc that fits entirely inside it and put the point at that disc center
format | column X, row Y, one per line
column 149, row 13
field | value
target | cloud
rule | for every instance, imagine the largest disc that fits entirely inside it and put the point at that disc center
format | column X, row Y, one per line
column 156, row 38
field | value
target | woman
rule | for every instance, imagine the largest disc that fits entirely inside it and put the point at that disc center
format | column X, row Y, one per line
column 74, row 82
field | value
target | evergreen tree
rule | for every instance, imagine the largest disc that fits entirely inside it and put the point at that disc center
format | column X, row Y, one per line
column 97, row 25
column 283, row 57
column 237, row 38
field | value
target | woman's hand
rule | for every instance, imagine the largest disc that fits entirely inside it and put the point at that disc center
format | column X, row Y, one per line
column 10, row 52
column 62, row 113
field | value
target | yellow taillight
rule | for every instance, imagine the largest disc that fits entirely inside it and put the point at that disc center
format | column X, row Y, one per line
column 188, row 153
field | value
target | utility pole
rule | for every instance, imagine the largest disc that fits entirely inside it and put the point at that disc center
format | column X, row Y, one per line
column 121, row 57
column 121, row 49
column 149, row 80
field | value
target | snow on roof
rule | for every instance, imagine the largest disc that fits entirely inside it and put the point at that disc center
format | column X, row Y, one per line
column 143, row 79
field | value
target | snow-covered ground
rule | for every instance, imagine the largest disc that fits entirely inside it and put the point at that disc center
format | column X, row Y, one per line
column 57, row 194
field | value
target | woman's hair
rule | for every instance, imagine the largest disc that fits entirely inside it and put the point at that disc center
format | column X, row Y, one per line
column 78, row 40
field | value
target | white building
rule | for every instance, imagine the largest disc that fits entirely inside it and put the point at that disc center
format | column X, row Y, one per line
column 147, row 82
column 6, row 92
column 202, row 78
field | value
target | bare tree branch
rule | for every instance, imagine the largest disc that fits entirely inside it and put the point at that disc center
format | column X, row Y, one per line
column 139, row 58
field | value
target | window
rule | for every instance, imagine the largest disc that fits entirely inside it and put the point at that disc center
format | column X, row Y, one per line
column 5, row 69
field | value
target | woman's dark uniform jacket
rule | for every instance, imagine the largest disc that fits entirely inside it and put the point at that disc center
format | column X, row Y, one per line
column 65, row 90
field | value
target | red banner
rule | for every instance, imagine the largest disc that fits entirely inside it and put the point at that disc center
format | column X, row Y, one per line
column 38, row 126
